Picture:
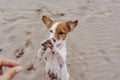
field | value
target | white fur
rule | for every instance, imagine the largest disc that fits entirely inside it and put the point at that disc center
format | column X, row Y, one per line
column 62, row 73
column 53, row 28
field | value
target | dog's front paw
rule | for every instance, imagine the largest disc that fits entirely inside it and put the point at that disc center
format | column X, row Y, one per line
column 47, row 44
column 40, row 53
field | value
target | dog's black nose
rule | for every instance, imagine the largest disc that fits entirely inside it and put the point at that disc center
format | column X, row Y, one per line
column 54, row 40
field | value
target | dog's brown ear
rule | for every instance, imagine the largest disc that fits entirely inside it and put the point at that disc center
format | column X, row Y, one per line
column 48, row 22
column 71, row 25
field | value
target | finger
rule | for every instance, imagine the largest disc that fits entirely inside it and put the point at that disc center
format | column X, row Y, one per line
column 12, row 72
column 8, row 62
column 1, row 71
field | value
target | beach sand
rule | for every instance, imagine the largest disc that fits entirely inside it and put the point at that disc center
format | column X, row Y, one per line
column 93, row 47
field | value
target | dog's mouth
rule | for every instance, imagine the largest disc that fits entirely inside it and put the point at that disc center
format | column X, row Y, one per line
column 56, row 42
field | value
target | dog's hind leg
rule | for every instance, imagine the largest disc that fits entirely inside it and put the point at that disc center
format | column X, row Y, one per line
column 64, row 73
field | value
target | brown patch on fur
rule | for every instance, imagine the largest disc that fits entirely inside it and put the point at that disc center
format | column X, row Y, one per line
column 61, row 31
column 52, row 75
column 46, row 58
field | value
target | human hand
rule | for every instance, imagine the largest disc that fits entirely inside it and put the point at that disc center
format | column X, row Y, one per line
column 14, row 68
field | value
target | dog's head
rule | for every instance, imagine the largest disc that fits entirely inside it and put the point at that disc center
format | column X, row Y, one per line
column 59, row 30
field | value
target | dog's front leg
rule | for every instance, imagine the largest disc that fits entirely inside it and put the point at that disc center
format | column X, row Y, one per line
column 40, row 53
column 42, row 49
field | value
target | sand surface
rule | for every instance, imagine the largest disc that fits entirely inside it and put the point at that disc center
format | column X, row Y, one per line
column 93, row 47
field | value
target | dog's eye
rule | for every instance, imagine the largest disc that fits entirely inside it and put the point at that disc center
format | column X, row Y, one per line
column 61, row 33
column 51, row 31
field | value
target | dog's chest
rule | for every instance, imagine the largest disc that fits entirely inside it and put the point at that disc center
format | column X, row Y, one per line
column 53, row 61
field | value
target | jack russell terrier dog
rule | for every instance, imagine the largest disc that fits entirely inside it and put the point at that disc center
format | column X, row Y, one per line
column 53, row 50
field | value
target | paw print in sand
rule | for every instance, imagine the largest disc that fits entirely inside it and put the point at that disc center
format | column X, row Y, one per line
column 30, row 68
column 19, row 53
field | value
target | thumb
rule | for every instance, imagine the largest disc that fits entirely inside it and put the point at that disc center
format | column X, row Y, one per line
column 12, row 72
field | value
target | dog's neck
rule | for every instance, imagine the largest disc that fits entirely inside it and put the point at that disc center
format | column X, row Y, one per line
column 62, row 50
column 62, row 45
